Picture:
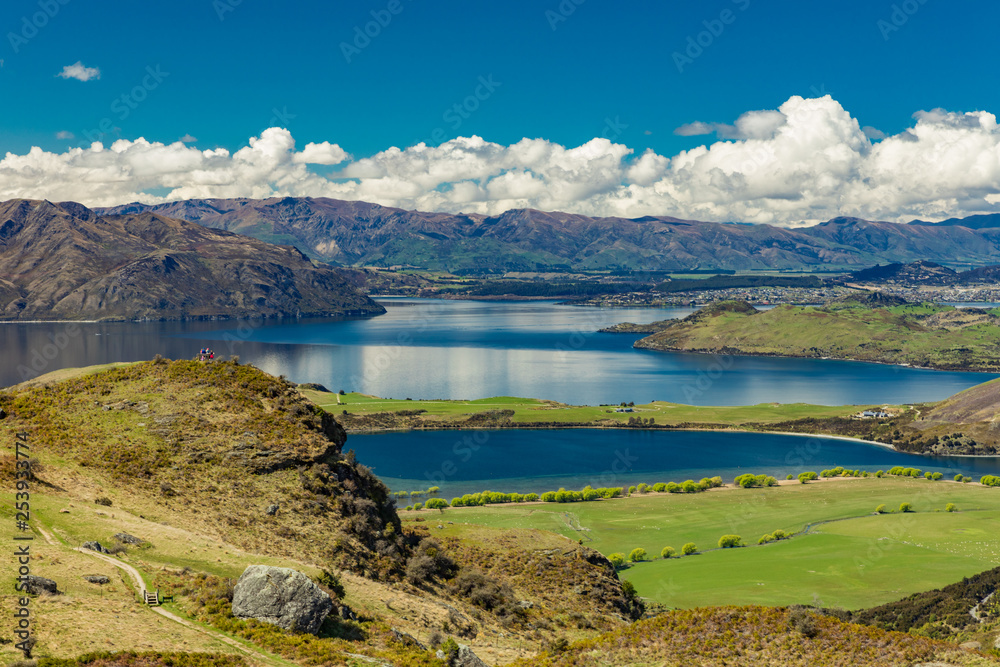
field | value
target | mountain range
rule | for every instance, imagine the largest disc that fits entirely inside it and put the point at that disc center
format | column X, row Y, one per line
column 65, row 261
column 923, row 272
column 353, row 233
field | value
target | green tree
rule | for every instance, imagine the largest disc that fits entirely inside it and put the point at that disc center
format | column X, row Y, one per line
column 638, row 554
column 881, row 509
column 905, row 507
column 668, row 552
column 689, row 549
column 730, row 541
column 436, row 504
column 617, row 559
column 951, row 507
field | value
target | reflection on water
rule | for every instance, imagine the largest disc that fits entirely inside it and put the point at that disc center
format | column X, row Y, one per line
column 475, row 349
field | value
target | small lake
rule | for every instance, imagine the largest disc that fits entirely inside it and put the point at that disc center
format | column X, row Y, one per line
column 433, row 348
column 526, row 461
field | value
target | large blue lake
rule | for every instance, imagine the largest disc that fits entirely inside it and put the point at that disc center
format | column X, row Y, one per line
column 477, row 349
column 541, row 460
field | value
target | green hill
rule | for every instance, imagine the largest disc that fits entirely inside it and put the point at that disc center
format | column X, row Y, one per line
column 861, row 328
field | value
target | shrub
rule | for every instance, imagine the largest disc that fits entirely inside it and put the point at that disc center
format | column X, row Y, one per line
column 435, row 504
column 689, row 549
column 749, row 480
column 617, row 559
column 881, row 509
column 780, row 535
column 730, row 541
column 103, row 500
column 638, row 554
column 667, row 552
column 788, row 476
column 659, row 487
column 988, row 480
column 807, row 476
column 958, row 477
column 905, row 507
column 631, row 489
column 482, row 591
column 332, row 581
column 950, row 507
column 766, row 539
column 801, row 620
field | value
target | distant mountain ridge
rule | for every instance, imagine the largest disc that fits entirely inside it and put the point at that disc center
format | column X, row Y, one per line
column 925, row 273
column 364, row 234
column 65, row 261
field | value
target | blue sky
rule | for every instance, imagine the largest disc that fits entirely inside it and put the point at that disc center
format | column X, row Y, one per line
column 606, row 60
column 566, row 73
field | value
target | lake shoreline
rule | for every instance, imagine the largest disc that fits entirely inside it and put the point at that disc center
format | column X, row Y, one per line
column 554, row 426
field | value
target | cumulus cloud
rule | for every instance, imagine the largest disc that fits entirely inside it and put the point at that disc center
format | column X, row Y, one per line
column 79, row 72
column 65, row 134
column 873, row 133
column 751, row 125
column 188, row 139
column 807, row 161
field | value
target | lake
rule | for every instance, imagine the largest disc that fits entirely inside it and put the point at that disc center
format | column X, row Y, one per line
column 523, row 461
column 432, row 348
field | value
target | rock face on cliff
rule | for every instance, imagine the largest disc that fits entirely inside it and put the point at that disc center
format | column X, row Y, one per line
column 281, row 596
column 64, row 261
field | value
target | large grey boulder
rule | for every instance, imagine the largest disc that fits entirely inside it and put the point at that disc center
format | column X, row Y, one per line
column 281, row 596
column 40, row 585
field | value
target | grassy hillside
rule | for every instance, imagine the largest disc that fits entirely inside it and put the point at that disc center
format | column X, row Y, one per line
column 753, row 636
column 190, row 457
column 940, row 337
column 193, row 458
column 850, row 556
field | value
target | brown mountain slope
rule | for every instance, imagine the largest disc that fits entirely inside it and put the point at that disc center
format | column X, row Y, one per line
column 64, row 261
column 360, row 233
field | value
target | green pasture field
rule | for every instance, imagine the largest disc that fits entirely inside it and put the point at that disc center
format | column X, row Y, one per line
column 531, row 410
column 859, row 559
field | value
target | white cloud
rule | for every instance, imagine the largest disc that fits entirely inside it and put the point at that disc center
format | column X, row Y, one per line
column 807, row 161
column 65, row 134
column 188, row 139
column 324, row 153
column 873, row 133
column 79, row 72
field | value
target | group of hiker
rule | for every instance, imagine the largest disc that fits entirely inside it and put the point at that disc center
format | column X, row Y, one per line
column 206, row 354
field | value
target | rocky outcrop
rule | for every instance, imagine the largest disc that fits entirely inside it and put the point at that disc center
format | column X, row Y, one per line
column 465, row 658
column 125, row 538
column 281, row 596
column 40, row 585
column 95, row 546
